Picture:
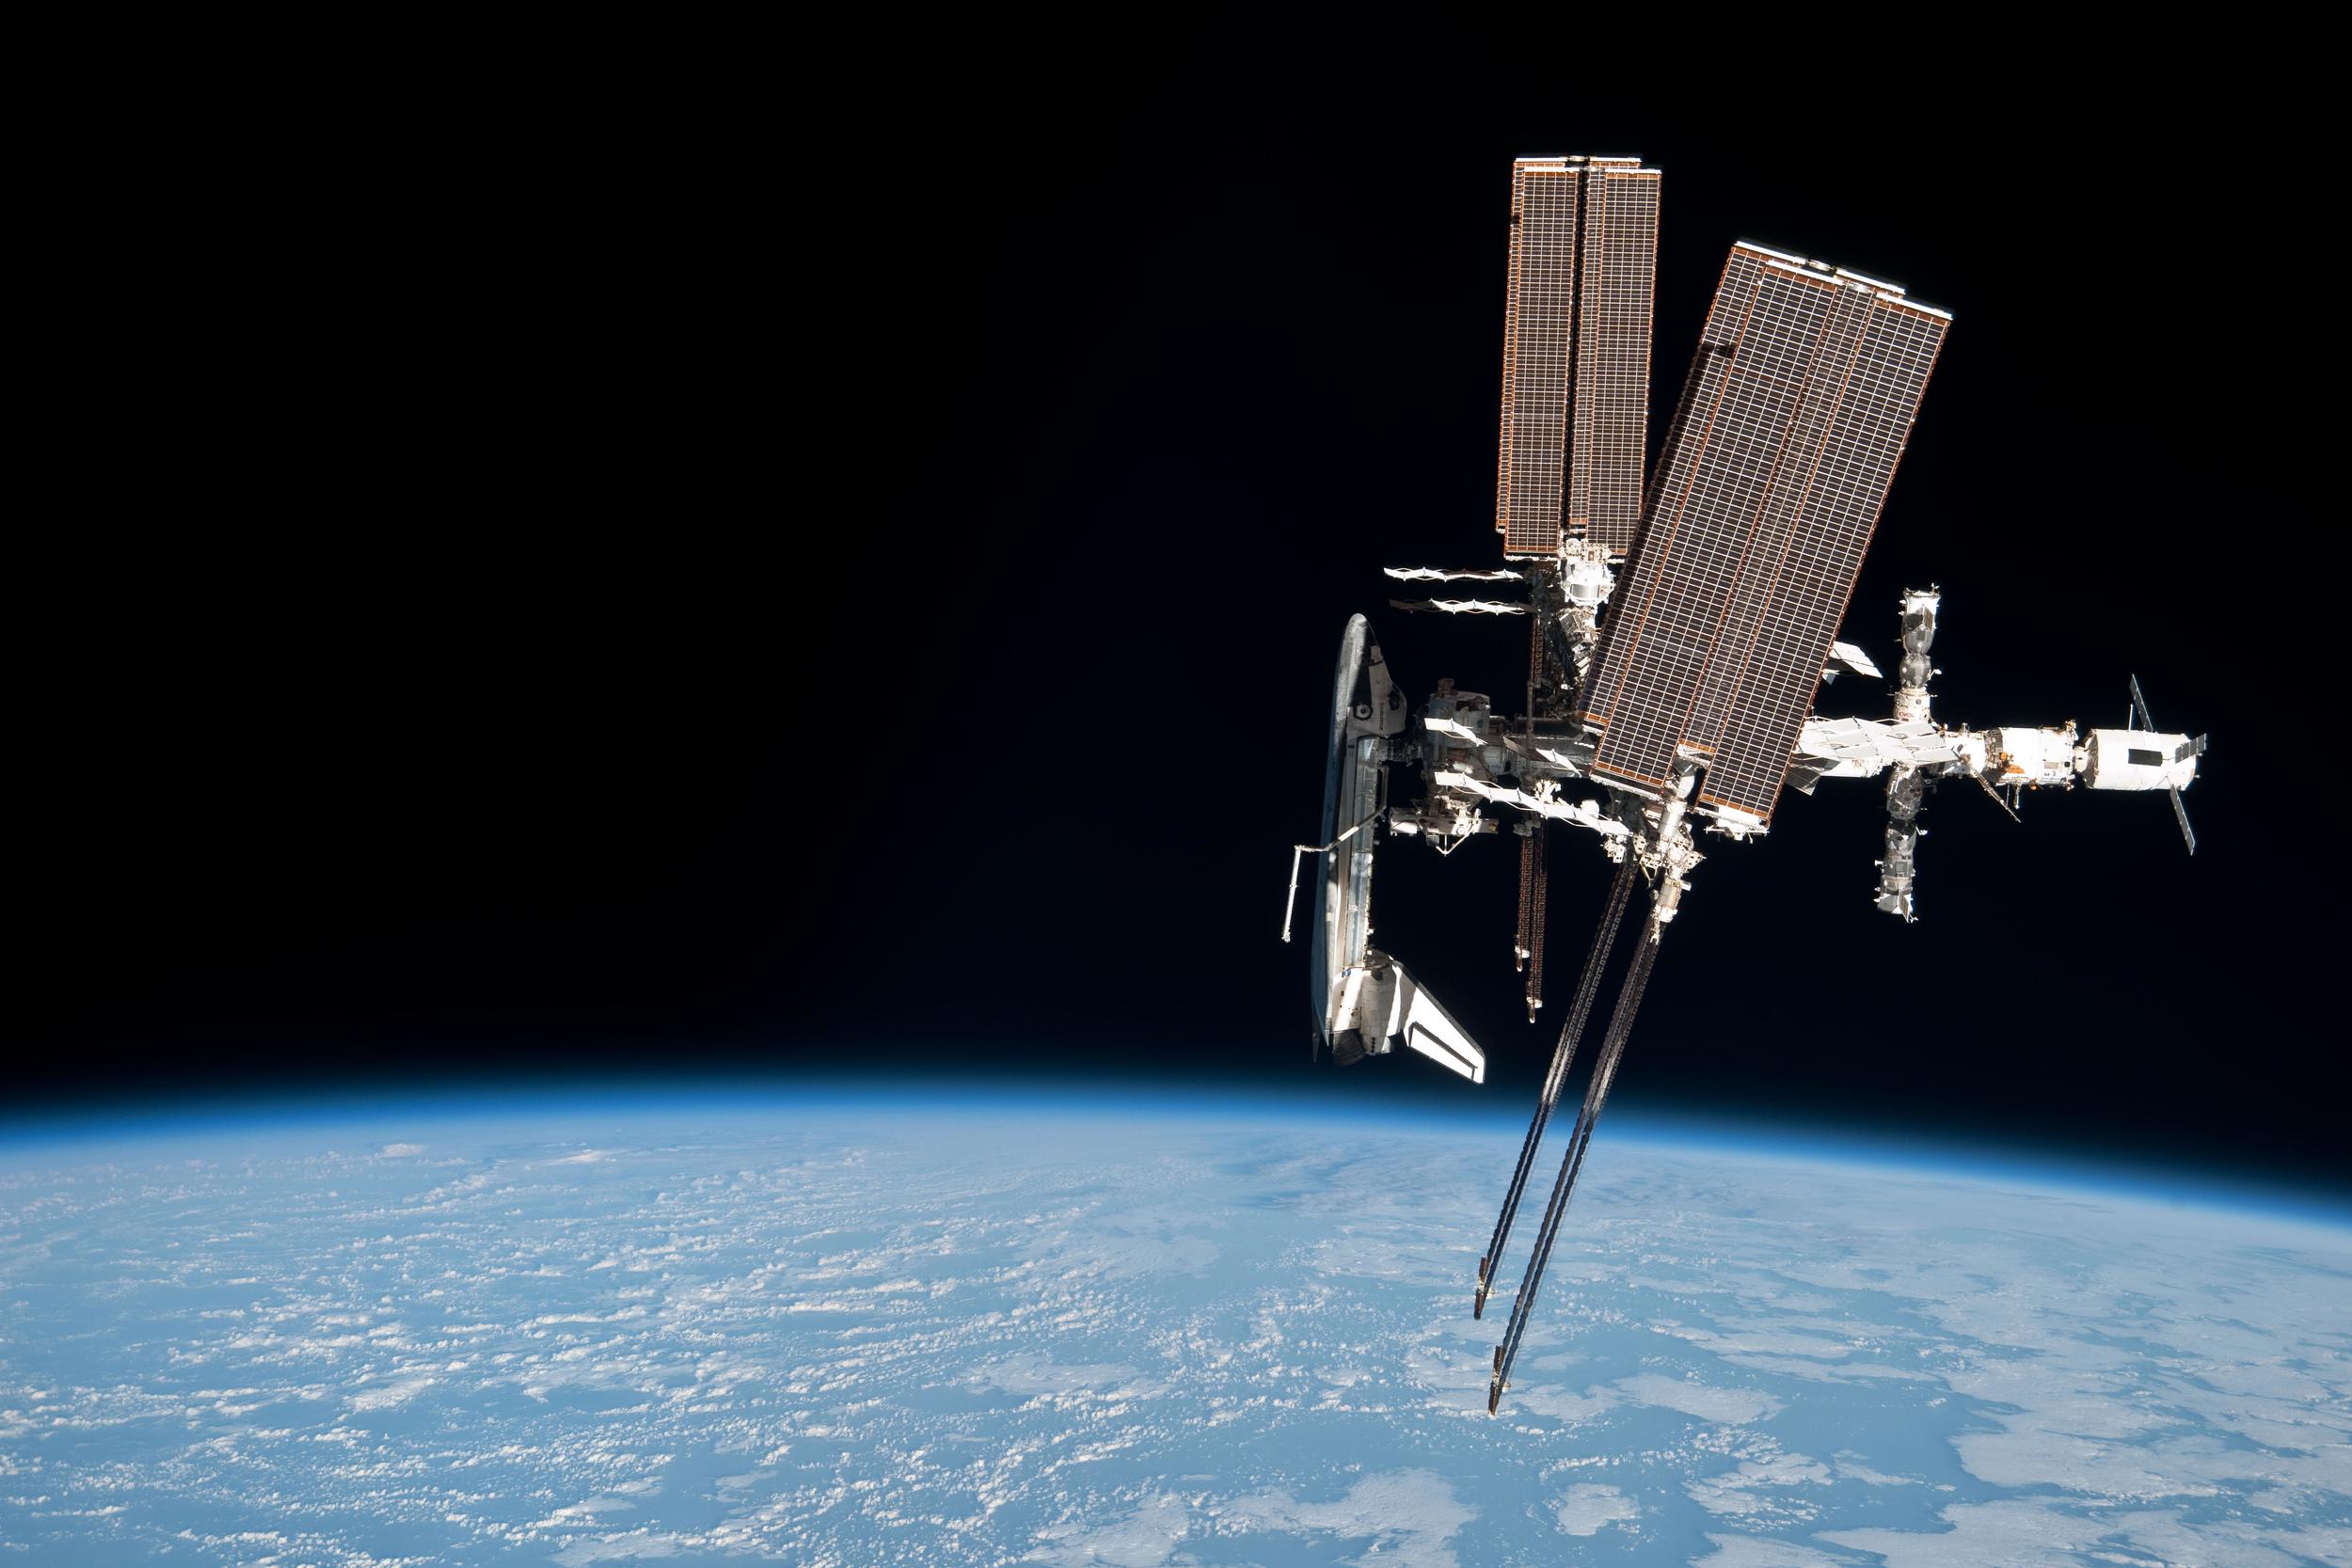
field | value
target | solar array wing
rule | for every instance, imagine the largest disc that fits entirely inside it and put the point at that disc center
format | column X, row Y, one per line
column 1538, row 319
column 1661, row 625
column 1576, row 353
column 1610, row 424
column 1882, row 369
column 1790, row 425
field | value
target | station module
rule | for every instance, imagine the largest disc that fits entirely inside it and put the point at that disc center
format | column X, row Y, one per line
column 1679, row 629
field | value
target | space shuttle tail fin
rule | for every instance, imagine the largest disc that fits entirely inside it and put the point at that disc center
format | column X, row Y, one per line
column 1429, row 1029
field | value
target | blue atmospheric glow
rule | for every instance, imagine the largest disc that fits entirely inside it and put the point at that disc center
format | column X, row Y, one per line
column 32, row 1137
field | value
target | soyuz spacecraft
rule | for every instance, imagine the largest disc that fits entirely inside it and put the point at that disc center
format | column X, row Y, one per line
column 1678, row 631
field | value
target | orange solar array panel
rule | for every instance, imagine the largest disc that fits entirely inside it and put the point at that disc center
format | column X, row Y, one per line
column 1794, row 418
column 1611, row 419
column 1576, row 353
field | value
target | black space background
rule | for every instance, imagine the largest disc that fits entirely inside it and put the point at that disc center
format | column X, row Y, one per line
column 624, row 588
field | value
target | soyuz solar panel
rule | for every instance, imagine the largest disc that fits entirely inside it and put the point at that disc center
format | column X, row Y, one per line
column 1576, row 353
column 1776, row 465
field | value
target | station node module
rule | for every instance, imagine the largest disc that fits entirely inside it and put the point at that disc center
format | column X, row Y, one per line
column 1680, row 624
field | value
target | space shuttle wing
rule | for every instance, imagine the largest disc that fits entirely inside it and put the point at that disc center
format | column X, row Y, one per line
column 1429, row 1029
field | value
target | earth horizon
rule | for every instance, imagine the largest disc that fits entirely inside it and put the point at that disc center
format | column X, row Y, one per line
column 835, row 1330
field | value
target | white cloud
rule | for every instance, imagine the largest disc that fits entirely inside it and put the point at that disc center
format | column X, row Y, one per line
column 1588, row 1510
column 1041, row 1374
column 1408, row 1515
column 2025, row 1534
column 386, row 1395
column 1144, row 1539
column 582, row 1513
column 1731, row 1406
column 632, row 1547
column 1758, row 1487
column 1748, row 1551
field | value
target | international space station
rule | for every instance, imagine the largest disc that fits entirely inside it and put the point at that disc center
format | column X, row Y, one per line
column 1678, row 632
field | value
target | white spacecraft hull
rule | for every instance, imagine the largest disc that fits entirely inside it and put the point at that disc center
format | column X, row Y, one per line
column 1364, row 1000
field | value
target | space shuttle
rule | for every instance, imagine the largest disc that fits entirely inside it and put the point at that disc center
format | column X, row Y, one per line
column 1364, row 1000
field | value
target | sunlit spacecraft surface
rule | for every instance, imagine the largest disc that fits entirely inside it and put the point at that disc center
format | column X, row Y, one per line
column 1678, row 633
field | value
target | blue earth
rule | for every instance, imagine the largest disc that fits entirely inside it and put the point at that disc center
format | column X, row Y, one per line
column 840, row 1331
